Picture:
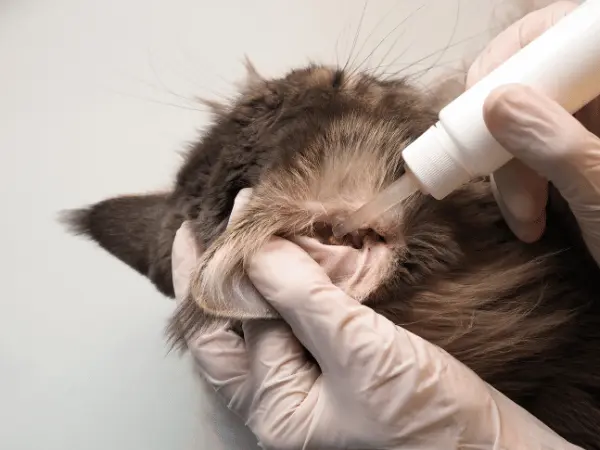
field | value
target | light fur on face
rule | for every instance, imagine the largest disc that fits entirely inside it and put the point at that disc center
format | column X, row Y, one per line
column 289, row 203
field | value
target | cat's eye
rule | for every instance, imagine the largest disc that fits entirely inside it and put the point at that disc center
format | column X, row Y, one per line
column 338, row 78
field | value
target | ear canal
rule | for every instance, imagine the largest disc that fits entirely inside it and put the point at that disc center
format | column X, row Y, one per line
column 138, row 230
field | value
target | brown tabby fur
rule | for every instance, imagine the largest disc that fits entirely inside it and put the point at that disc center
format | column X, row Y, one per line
column 315, row 145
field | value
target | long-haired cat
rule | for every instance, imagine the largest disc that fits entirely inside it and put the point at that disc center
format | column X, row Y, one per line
column 315, row 145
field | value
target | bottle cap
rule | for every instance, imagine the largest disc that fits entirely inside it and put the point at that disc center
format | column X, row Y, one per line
column 430, row 159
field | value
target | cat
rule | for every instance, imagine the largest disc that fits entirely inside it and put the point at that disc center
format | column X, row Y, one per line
column 315, row 145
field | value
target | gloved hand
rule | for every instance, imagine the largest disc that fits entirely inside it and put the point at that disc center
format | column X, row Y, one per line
column 374, row 385
column 548, row 143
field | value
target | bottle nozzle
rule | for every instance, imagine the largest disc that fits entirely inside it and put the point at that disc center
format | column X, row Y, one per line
column 383, row 202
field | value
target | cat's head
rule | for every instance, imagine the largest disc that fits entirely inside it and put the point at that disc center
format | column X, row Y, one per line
column 323, row 141
column 440, row 268
column 333, row 139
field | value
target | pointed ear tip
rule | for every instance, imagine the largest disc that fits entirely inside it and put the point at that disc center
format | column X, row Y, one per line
column 251, row 68
column 76, row 221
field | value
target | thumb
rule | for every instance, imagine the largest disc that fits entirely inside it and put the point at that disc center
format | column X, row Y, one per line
column 521, row 194
column 184, row 259
column 539, row 132
column 343, row 335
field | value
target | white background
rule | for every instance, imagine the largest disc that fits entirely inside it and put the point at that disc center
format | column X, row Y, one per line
column 97, row 99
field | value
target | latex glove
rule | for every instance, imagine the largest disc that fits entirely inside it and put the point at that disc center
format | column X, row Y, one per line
column 544, row 136
column 549, row 144
column 374, row 385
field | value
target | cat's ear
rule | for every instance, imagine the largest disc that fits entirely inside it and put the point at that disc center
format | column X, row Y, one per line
column 139, row 230
column 253, row 78
column 252, row 75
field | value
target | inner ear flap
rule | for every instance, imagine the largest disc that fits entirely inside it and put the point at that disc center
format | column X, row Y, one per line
column 242, row 302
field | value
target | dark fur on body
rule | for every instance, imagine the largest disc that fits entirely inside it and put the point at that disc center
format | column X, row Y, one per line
column 523, row 317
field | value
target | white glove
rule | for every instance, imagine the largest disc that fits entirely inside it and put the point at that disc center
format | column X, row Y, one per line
column 374, row 385
column 548, row 143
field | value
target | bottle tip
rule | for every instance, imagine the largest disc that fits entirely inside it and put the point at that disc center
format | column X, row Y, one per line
column 340, row 229
column 385, row 200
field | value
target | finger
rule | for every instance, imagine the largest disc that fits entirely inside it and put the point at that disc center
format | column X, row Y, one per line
column 221, row 358
column 542, row 134
column 339, row 262
column 281, row 375
column 184, row 257
column 515, row 37
column 548, row 139
column 521, row 195
column 338, row 331
column 219, row 353
column 589, row 116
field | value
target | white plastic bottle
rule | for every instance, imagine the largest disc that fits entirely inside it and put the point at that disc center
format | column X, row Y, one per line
column 563, row 63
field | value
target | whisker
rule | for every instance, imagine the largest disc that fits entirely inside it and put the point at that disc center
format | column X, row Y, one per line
column 165, row 88
column 337, row 41
column 125, row 94
column 156, row 88
column 362, row 16
column 452, row 35
column 385, row 16
column 336, row 50
column 408, row 17
column 203, row 68
column 462, row 41
column 448, row 64
column 383, row 60
column 158, row 79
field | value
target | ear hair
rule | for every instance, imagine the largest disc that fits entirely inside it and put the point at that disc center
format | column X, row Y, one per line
column 219, row 288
